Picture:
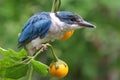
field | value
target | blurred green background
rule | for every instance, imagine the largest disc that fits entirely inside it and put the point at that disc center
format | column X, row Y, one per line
column 92, row 54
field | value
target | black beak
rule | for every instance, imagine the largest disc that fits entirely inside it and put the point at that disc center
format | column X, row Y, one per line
column 86, row 24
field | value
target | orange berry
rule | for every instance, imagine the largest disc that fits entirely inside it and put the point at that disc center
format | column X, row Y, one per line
column 58, row 69
column 67, row 35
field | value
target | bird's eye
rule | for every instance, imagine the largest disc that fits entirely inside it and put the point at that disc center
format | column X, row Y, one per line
column 72, row 19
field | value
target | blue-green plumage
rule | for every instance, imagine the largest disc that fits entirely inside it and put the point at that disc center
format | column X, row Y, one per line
column 38, row 25
column 48, row 26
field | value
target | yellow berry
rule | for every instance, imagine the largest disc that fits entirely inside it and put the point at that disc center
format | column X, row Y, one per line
column 58, row 70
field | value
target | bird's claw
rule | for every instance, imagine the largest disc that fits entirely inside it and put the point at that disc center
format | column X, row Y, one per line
column 44, row 47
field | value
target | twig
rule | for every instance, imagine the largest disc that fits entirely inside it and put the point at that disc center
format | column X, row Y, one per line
column 53, row 6
column 59, row 5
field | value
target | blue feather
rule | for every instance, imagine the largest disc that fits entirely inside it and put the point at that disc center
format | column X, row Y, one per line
column 42, row 27
column 37, row 26
column 66, row 16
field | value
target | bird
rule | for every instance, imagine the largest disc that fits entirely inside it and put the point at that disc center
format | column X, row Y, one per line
column 46, row 27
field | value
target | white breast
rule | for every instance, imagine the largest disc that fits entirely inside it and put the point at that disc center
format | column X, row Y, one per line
column 56, row 23
column 57, row 29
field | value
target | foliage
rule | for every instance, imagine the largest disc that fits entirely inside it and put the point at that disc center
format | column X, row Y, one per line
column 92, row 54
column 12, row 66
column 39, row 67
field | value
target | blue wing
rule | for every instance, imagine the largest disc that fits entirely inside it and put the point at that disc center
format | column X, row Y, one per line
column 38, row 25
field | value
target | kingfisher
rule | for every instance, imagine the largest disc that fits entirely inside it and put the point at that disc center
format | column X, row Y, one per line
column 49, row 26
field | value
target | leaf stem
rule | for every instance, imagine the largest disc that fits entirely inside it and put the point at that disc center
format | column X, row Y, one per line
column 28, row 60
column 53, row 52
column 41, row 50
column 31, row 72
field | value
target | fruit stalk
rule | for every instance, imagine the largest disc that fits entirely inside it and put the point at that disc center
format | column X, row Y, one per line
column 53, row 53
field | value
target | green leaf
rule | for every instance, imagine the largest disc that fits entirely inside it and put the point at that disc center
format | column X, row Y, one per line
column 12, row 69
column 4, row 52
column 16, row 71
column 18, row 55
column 39, row 67
column 13, row 54
column 5, row 63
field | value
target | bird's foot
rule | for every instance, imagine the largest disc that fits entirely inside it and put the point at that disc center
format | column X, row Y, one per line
column 44, row 47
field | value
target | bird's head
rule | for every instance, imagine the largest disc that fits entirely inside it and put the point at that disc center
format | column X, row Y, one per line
column 73, row 20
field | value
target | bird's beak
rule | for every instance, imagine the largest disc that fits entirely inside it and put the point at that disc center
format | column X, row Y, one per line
column 86, row 24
